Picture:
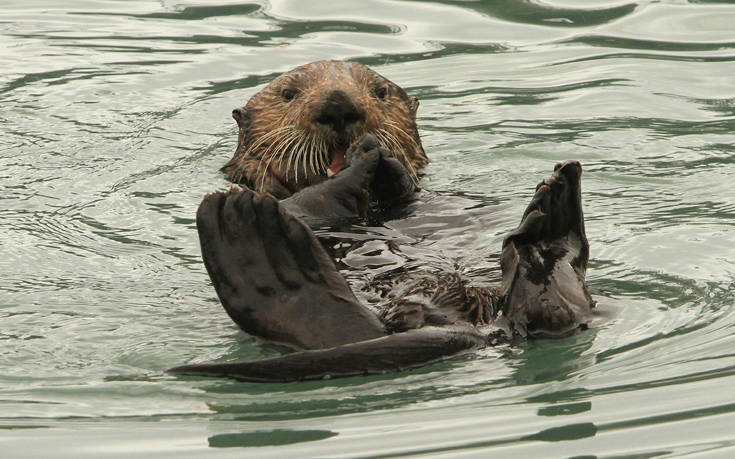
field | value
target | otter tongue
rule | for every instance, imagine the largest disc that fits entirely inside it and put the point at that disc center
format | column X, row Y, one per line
column 337, row 155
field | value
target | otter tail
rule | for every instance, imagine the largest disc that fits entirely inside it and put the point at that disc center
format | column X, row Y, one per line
column 376, row 356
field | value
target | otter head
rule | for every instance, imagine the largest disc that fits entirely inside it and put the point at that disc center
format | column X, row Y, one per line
column 295, row 131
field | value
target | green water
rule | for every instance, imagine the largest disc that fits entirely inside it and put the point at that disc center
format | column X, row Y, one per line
column 115, row 116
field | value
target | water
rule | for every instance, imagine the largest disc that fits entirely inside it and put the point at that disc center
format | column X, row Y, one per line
column 115, row 119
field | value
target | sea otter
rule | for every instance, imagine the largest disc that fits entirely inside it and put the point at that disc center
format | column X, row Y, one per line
column 328, row 158
column 295, row 132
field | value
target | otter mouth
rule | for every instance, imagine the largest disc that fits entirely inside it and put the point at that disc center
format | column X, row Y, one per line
column 336, row 158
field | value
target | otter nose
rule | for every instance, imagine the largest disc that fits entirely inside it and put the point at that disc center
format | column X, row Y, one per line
column 339, row 111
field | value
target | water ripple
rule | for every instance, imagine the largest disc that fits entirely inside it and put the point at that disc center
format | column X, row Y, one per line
column 116, row 120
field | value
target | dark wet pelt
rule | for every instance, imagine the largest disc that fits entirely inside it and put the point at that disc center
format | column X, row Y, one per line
column 116, row 117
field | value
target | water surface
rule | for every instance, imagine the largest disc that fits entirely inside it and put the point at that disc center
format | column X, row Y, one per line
column 115, row 120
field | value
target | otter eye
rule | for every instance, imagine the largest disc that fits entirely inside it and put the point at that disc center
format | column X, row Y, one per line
column 287, row 94
column 381, row 92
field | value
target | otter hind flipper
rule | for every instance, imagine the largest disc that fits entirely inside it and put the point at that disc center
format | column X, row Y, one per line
column 390, row 353
column 274, row 278
column 544, row 261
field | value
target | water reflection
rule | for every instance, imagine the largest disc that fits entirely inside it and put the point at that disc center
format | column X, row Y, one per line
column 538, row 13
column 544, row 361
column 564, row 433
column 267, row 438
column 565, row 409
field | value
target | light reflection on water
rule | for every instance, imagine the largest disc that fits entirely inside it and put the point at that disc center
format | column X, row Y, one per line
column 116, row 118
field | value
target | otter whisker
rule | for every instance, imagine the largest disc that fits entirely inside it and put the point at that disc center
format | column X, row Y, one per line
column 276, row 148
column 325, row 154
column 314, row 156
column 305, row 160
column 405, row 158
column 322, row 156
column 289, row 155
column 300, row 166
column 397, row 150
column 280, row 150
column 403, row 132
column 264, row 160
column 298, row 138
column 309, row 156
column 273, row 149
column 395, row 146
column 291, row 159
column 299, row 161
column 296, row 158
column 266, row 137
column 383, row 140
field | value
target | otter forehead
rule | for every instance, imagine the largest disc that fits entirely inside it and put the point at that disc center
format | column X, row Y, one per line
column 320, row 76
column 337, row 69
column 329, row 72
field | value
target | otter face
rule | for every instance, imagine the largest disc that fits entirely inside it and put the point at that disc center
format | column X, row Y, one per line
column 295, row 131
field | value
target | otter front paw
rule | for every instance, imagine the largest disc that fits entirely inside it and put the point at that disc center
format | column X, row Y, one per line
column 363, row 154
column 345, row 195
column 391, row 181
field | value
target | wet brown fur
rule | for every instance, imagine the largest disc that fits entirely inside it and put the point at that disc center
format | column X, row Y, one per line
column 282, row 149
column 417, row 299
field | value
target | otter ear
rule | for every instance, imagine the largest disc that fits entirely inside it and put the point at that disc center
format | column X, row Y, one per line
column 242, row 116
column 413, row 104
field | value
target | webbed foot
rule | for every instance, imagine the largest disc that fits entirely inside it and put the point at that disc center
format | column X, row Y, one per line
column 544, row 260
column 274, row 278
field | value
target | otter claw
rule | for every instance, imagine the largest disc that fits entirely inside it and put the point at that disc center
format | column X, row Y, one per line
column 361, row 148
